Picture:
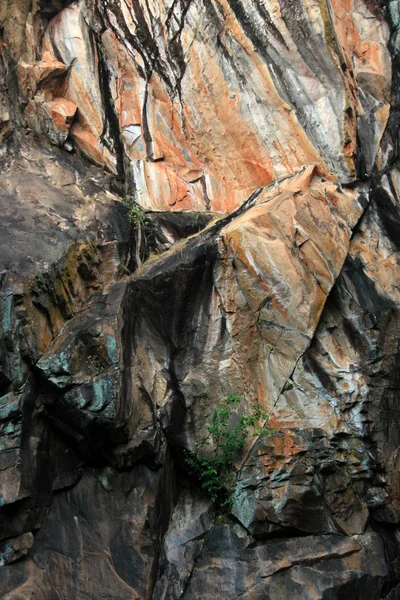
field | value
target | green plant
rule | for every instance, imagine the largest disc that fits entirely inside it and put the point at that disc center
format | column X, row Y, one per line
column 139, row 222
column 137, row 216
column 215, row 470
column 195, row 219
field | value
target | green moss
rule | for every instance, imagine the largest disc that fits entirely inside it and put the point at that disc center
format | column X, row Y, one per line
column 223, row 519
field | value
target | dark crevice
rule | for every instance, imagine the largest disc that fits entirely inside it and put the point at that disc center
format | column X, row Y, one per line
column 111, row 123
column 145, row 126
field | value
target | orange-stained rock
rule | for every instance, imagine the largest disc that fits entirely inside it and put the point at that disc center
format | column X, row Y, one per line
column 69, row 38
column 290, row 478
column 43, row 85
column 124, row 327
column 46, row 76
column 235, row 97
column 91, row 147
column 283, row 255
column 52, row 119
column 62, row 113
column 362, row 47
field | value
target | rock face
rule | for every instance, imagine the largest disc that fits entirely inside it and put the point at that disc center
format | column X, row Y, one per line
column 199, row 197
column 166, row 92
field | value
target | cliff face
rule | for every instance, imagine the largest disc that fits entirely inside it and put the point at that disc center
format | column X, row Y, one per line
column 260, row 140
column 200, row 103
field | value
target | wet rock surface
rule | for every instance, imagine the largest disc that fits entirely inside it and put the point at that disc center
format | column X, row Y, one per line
column 199, row 198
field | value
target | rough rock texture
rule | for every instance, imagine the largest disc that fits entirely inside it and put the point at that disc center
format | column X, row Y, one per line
column 198, row 197
column 166, row 91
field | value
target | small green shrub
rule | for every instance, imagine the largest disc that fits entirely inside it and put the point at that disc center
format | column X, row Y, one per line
column 139, row 222
column 215, row 471
column 137, row 217
column 196, row 219
column 136, row 214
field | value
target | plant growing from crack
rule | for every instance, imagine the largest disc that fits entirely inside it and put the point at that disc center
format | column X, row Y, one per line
column 196, row 219
column 138, row 221
column 215, row 470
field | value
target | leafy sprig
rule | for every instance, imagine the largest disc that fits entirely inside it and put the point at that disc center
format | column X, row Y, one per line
column 215, row 470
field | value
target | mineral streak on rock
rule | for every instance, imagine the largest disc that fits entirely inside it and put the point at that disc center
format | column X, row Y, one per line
column 199, row 197
column 168, row 92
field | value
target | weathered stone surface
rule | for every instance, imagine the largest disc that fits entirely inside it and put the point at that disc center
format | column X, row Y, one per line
column 261, row 138
column 308, row 567
column 349, row 369
column 14, row 548
column 119, row 374
column 165, row 93
column 302, row 480
column 76, row 555
column 192, row 519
